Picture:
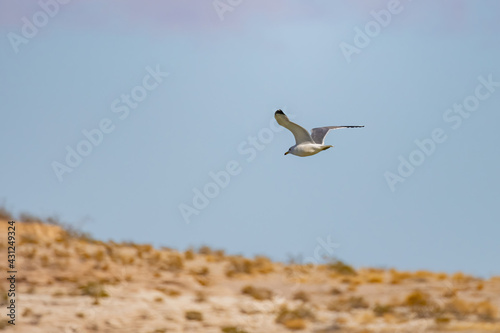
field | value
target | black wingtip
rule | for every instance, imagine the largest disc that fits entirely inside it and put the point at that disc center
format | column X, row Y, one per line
column 279, row 112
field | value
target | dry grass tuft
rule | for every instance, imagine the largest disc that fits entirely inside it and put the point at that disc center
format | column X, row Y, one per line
column 340, row 267
column 200, row 297
column 173, row 263
column 168, row 291
column 301, row 296
column 381, row 310
column 239, row 265
column 486, row 311
column 335, row 291
column 399, row 277
column 417, row 298
column 460, row 277
column 257, row 293
column 189, row 254
column 346, row 304
column 94, row 289
column 375, row 278
column 442, row 320
column 194, row 315
column 459, row 308
column 232, row 329
column 294, row 319
column 200, row 271
column 422, row 304
column 295, row 324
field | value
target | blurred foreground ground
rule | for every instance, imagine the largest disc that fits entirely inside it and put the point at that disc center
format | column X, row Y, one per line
column 68, row 282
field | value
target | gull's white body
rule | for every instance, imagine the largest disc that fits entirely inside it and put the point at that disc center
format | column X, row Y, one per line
column 307, row 149
column 306, row 144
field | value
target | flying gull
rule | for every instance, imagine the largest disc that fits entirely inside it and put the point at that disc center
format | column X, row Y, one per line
column 306, row 144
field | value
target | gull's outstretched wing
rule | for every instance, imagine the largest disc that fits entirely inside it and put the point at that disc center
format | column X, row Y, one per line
column 301, row 134
column 318, row 134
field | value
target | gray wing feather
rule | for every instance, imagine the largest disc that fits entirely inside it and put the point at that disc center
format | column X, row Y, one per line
column 318, row 134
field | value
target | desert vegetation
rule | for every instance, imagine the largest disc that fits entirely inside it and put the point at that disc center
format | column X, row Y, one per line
column 71, row 282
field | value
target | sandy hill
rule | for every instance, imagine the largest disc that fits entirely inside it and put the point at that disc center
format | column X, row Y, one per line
column 68, row 282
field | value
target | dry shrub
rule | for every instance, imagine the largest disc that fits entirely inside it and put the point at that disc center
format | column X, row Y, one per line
column 202, row 280
column 263, row 265
column 30, row 253
column 301, row 296
column 398, row 277
column 205, row 249
column 460, row 277
column 417, row 298
column 257, row 293
column 340, row 267
column 194, row 315
column 4, row 323
column 294, row 319
column 30, row 218
column 442, row 320
column 346, row 304
column 200, row 271
column 239, row 265
column 173, row 263
column 200, row 297
column 143, row 250
column 335, row 291
column 95, row 290
column 422, row 276
column 232, row 329
column 422, row 304
column 495, row 279
column 375, row 278
column 486, row 311
column 295, row 324
column 459, row 307
column 168, row 291
column 189, row 254
column 381, row 310
column 450, row 293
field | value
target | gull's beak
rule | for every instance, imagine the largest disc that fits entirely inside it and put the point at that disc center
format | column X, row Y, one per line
column 287, row 152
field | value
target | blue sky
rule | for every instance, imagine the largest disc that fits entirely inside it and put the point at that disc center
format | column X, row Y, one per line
column 225, row 80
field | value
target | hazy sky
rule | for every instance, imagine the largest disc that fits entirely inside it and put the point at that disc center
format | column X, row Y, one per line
column 133, row 118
